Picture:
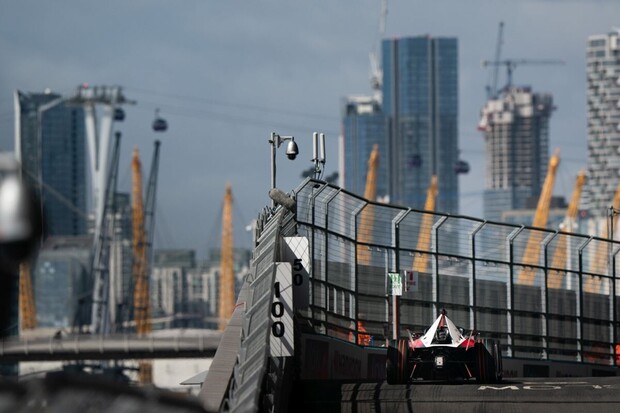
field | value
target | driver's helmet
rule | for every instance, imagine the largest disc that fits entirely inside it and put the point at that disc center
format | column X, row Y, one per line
column 442, row 334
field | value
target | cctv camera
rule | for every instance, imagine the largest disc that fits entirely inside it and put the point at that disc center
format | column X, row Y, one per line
column 292, row 150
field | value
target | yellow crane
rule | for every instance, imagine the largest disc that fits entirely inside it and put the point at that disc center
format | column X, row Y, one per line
column 142, row 314
column 420, row 262
column 555, row 278
column 527, row 275
column 27, row 309
column 227, row 279
column 366, row 218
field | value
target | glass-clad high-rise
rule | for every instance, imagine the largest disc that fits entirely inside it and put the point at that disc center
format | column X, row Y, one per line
column 363, row 126
column 50, row 143
column 62, row 281
column 420, row 102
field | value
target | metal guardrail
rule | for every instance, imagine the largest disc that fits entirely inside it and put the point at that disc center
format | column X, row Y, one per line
column 559, row 300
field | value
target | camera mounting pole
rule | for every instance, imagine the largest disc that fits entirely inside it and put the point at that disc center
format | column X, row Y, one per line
column 291, row 152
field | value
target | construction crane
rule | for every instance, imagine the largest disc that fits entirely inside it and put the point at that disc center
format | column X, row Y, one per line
column 149, row 208
column 492, row 87
column 527, row 275
column 511, row 65
column 100, row 316
column 27, row 309
column 376, row 72
column 366, row 217
column 110, row 99
column 143, row 217
column 227, row 279
column 141, row 297
column 560, row 255
column 420, row 262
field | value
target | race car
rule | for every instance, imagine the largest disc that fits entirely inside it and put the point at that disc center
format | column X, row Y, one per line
column 444, row 352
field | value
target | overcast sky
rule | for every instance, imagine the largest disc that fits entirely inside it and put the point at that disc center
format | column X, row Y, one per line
column 225, row 74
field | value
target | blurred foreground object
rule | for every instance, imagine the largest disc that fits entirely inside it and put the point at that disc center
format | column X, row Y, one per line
column 20, row 215
column 21, row 228
column 63, row 392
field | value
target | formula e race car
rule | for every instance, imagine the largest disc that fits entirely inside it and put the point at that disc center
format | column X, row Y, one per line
column 443, row 352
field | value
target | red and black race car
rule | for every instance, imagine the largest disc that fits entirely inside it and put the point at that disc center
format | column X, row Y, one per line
column 444, row 352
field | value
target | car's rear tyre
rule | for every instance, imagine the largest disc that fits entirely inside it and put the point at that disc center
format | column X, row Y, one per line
column 396, row 363
column 496, row 352
column 481, row 357
column 489, row 361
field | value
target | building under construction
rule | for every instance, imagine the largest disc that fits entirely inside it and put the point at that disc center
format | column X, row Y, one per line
column 515, row 124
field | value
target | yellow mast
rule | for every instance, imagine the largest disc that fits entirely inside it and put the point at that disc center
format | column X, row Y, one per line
column 142, row 313
column 559, row 257
column 366, row 218
column 227, row 279
column 532, row 248
column 27, row 308
column 420, row 262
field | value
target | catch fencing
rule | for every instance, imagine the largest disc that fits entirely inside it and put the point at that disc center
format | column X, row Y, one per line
column 547, row 295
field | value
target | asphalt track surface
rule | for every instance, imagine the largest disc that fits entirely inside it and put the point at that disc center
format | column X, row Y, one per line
column 566, row 395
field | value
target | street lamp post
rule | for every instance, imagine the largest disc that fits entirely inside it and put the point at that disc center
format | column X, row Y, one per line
column 291, row 152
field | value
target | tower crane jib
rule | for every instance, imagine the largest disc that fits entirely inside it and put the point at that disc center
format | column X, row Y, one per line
column 376, row 71
column 511, row 65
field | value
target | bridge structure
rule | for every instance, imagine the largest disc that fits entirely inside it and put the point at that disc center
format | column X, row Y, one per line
column 72, row 347
column 315, row 308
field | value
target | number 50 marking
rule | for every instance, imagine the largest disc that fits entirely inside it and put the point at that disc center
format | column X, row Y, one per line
column 298, row 278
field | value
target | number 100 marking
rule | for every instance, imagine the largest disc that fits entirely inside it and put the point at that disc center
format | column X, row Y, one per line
column 277, row 311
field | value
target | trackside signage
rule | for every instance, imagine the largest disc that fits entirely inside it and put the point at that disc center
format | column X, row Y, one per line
column 296, row 253
column 395, row 284
column 281, row 342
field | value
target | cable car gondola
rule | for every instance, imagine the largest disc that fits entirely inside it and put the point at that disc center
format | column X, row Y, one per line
column 119, row 114
column 159, row 124
column 415, row 161
column 461, row 167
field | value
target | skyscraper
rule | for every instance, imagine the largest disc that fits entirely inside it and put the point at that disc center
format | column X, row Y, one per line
column 50, row 143
column 121, row 260
column 62, row 282
column 420, row 102
column 603, row 92
column 516, row 131
column 363, row 126
column 414, row 120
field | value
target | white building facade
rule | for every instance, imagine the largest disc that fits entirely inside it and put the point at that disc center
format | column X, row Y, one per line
column 603, row 94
